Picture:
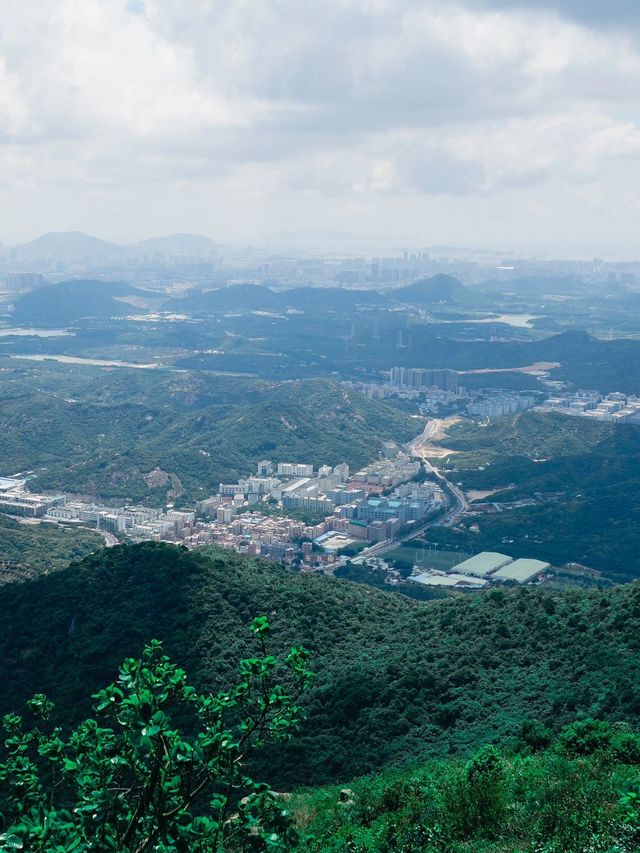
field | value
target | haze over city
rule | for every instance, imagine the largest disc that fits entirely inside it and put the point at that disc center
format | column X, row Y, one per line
column 512, row 126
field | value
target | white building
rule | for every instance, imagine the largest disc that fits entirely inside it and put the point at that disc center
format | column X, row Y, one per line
column 294, row 469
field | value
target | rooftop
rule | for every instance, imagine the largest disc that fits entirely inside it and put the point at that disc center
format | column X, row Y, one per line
column 436, row 579
column 484, row 563
column 522, row 570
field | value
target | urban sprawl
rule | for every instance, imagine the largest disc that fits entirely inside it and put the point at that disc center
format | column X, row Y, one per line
column 317, row 518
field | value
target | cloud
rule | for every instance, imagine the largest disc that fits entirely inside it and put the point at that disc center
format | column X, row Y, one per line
column 293, row 100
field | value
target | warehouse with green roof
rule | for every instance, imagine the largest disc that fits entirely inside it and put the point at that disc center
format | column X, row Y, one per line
column 484, row 564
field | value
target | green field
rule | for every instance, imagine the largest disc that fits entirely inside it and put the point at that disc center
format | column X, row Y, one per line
column 429, row 557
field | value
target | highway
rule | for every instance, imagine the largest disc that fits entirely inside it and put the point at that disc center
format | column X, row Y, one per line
column 450, row 517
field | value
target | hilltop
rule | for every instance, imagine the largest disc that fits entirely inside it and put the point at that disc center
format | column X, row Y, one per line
column 68, row 245
column 428, row 291
column 71, row 301
column 397, row 681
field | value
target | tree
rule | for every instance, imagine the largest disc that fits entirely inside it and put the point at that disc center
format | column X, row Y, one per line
column 161, row 768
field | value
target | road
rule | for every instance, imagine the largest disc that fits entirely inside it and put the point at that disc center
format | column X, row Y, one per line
column 109, row 539
column 450, row 517
column 416, row 448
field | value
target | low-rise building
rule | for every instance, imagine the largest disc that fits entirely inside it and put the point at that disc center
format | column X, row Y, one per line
column 521, row 571
column 484, row 564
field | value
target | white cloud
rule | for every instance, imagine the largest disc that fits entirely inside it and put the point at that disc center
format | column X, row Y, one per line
column 288, row 101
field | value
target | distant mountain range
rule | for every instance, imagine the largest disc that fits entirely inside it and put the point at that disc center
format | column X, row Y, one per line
column 70, row 301
column 75, row 245
column 439, row 289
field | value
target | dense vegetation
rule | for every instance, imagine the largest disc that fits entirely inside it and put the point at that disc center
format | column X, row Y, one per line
column 161, row 767
column 583, row 476
column 158, row 767
column 397, row 681
column 580, row 793
column 104, row 433
column 30, row 549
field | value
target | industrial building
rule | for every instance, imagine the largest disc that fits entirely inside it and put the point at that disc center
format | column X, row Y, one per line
column 449, row 579
column 482, row 569
column 483, row 564
column 27, row 504
column 10, row 484
column 522, row 571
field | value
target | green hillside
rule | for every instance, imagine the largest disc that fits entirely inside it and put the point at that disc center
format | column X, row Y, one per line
column 71, row 301
column 583, row 476
column 106, row 431
column 28, row 549
column 397, row 682
column 577, row 794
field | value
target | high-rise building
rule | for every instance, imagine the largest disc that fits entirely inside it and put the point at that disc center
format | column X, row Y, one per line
column 19, row 281
column 342, row 471
column 421, row 377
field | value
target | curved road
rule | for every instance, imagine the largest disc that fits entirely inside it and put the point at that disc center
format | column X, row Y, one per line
column 458, row 507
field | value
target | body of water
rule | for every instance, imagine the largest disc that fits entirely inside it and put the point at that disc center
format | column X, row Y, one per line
column 36, row 333
column 96, row 362
column 520, row 321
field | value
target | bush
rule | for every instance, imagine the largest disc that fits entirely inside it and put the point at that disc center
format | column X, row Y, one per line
column 136, row 779
column 585, row 737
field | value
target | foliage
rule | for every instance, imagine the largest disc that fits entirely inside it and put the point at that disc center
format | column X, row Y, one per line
column 582, row 476
column 163, row 435
column 160, row 767
column 30, row 549
column 396, row 680
column 500, row 800
column 372, row 576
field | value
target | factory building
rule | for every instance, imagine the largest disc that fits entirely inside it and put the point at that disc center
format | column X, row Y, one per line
column 483, row 564
column 521, row 571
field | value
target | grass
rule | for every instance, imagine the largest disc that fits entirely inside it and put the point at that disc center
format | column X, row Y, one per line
column 428, row 558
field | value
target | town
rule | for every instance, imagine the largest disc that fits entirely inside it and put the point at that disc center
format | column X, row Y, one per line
column 434, row 388
column 287, row 512
column 313, row 519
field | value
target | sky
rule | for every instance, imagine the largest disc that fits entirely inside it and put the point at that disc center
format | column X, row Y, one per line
column 494, row 124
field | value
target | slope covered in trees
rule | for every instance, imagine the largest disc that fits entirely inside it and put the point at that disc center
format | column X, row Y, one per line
column 397, row 681
column 583, row 476
column 102, row 434
column 71, row 301
column 30, row 549
column 579, row 793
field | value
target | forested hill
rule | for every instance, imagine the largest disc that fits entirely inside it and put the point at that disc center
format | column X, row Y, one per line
column 197, row 430
column 397, row 681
